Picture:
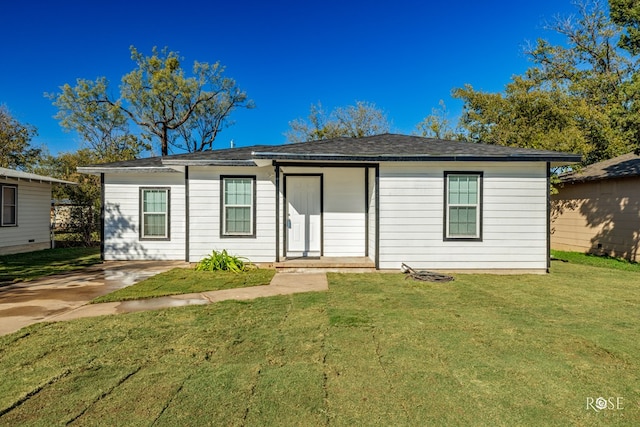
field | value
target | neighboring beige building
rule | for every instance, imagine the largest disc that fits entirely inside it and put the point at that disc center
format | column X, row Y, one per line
column 597, row 209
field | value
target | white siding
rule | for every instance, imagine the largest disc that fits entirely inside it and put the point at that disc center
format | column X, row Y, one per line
column 204, row 213
column 344, row 212
column 411, row 213
column 514, row 217
column 34, row 218
column 122, row 217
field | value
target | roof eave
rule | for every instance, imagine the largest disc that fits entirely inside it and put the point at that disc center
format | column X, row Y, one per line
column 97, row 170
column 40, row 180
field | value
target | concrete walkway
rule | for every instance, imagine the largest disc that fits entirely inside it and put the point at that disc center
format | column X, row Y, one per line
column 65, row 297
column 281, row 284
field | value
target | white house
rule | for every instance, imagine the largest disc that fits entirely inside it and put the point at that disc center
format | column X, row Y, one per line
column 385, row 200
column 25, row 214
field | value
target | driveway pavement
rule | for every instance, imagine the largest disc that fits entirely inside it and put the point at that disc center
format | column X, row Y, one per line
column 65, row 297
column 39, row 300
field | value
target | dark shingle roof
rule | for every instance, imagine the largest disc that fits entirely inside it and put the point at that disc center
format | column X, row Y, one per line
column 627, row 165
column 386, row 147
column 210, row 156
column 406, row 147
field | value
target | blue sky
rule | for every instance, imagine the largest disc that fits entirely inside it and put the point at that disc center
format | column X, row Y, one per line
column 404, row 56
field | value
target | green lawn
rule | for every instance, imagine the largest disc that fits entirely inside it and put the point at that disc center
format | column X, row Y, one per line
column 185, row 281
column 31, row 265
column 376, row 349
column 596, row 260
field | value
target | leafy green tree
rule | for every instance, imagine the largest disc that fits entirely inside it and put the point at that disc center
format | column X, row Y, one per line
column 185, row 113
column 353, row 121
column 103, row 127
column 437, row 124
column 525, row 116
column 16, row 150
column 626, row 13
column 574, row 97
column 84, row 198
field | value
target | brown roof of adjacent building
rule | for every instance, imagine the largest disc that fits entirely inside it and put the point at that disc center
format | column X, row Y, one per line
column 625, row 166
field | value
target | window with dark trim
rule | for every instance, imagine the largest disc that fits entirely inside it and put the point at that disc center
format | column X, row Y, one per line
column 463, row 206
column 238, row 206
column 9, row 212
column 154, row 213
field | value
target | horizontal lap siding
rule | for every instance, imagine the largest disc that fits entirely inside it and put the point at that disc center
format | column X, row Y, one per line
column 122, row 217
column 204, row 212
column 514, row 217
column 600, row 217
column 344, row 212
column 34, row 217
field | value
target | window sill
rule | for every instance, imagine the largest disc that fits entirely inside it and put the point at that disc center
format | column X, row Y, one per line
column 462, row 239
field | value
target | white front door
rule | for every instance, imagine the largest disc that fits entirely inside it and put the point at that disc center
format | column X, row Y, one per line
column 304, row 220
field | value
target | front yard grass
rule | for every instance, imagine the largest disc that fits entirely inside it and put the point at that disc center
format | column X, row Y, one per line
column 375, row 349
column 185, row 281
column 31, row 265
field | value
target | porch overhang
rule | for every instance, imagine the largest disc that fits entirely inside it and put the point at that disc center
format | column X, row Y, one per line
column 369, row 180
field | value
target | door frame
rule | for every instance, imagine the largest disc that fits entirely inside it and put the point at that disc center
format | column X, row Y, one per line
column 286, row 209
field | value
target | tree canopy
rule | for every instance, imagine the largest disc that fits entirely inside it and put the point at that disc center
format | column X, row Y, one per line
column 580, row 96
column 16, row 151
column 165, row 106
column 437, row 124
column 354, row 121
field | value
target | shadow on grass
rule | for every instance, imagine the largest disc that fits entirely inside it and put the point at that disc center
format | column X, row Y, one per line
column 32, row 265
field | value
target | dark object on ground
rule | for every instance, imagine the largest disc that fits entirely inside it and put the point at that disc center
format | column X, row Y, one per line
column 425, row 276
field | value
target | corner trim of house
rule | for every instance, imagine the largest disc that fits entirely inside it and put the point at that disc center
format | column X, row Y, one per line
column 186, row 214
column 102, row 224
column 548, row 217
column 276, row 167
column 377, row 188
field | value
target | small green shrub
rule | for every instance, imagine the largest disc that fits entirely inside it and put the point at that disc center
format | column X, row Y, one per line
column 223, row 261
